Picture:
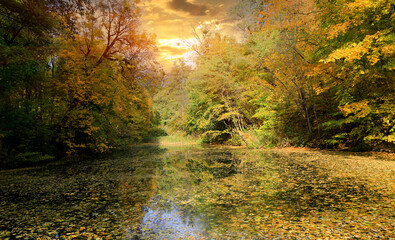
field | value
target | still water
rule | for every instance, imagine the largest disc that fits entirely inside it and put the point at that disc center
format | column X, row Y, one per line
column 198, row 193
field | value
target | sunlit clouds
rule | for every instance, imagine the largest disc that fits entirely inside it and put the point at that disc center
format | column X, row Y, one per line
column 173, row 22
column 173, row 49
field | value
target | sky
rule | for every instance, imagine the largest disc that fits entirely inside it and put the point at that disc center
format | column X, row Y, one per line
column 173, row 21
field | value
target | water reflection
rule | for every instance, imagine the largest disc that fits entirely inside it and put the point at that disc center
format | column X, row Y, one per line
column 154, row 193
column 175, row 209
column 247, row 194
column 170, row 223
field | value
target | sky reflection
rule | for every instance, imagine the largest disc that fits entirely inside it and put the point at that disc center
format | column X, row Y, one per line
column 161, row 223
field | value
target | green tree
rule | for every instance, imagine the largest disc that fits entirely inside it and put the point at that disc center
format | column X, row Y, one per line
column 171, row 101
column 219, row 105
column 27, row 30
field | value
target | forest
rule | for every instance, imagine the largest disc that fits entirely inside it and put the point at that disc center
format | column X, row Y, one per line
column 81, row 77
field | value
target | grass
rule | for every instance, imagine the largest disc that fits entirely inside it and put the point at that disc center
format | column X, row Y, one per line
column 176, row 139
column 173, row 140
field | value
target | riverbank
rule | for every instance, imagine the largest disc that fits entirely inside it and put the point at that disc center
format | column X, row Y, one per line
column 380, row 155
column 180, row 140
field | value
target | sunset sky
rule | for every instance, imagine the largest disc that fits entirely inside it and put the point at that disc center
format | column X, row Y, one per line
column 172, row 21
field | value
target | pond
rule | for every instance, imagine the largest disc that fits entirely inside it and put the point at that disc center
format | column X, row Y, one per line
column 154, row 192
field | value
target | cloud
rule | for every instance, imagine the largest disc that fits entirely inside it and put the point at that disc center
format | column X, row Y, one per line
column 173, row 22
column 192, row 9
column 175, row 42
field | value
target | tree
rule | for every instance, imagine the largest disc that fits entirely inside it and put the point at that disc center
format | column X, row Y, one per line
column 282, row 51
column 75, row 76
column 359, row 48
column 27, row 30
column 104, row 91
column 219, row 106
column 171, row 101
column 247, row 13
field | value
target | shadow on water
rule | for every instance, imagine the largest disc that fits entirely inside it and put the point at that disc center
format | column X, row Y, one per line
column 217, row 164
column 95, row 197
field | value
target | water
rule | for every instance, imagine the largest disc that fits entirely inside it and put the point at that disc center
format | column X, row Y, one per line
column 206, row 193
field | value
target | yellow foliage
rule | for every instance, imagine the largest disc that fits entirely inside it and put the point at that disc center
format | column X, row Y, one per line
column 388, row 50
column 228, row 115
column 367, row 47
column 361, row 5
column 338, row 29
column 359, row 109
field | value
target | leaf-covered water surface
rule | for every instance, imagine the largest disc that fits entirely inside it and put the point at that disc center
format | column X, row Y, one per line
column 153, row 193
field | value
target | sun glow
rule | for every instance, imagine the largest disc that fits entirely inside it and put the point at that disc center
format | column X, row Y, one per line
column 174, row 43
column 176, row 22
column 175, row 49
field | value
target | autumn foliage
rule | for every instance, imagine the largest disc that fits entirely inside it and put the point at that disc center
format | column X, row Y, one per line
column 80, row 76
column 316, row 73
column 76, row 76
